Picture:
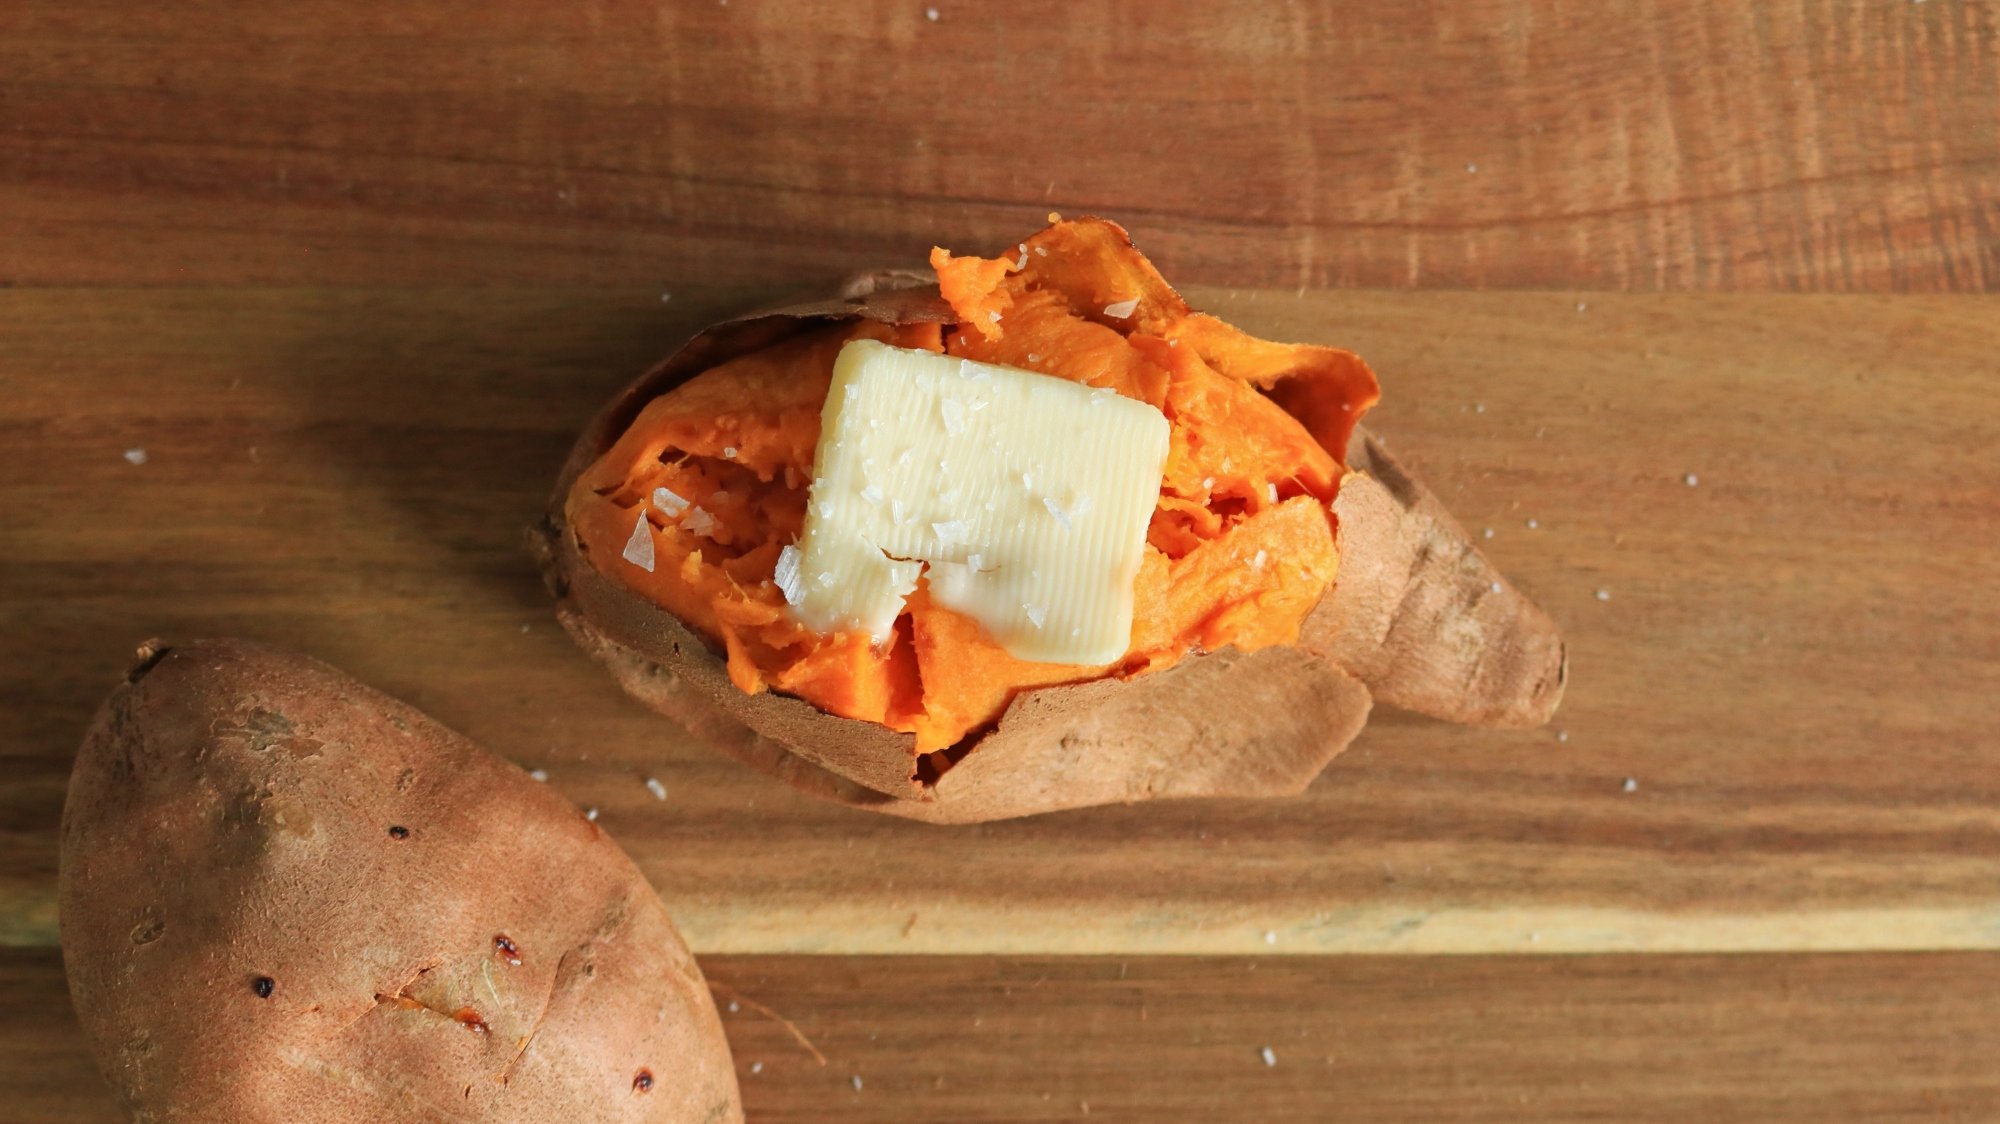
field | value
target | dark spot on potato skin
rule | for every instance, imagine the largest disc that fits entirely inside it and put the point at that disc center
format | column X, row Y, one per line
column 261, row 726
column 508, row 950
column 398, row 831
column 148, row 931
column 263, row 986
column 470, row 1020
column 643, row 1081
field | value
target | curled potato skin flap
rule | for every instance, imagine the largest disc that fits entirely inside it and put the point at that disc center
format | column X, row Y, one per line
column 1418, row 626
column 288, row 897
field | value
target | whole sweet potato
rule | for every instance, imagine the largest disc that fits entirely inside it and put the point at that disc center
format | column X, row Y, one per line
column 288, row 897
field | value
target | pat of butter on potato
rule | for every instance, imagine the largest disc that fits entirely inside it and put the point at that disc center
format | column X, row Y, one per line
column 1025, row 496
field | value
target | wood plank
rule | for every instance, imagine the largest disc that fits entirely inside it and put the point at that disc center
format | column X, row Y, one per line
column 1493, row 143
column 1876, row 1037
column 1796, row 662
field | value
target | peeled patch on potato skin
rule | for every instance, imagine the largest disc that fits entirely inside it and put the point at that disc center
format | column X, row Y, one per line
column 287, row 897
column 1412, row 620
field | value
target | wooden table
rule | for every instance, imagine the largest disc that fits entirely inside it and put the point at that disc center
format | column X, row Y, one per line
column 351, row 276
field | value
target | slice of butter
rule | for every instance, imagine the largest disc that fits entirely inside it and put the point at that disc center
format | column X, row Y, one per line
column 1026, row 496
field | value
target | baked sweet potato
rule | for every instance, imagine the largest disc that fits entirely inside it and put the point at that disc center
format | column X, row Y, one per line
column 1294, row 572
column 287, row 897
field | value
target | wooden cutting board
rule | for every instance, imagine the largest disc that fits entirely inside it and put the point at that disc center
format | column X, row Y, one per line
column 1767, row 524
column 1792, row 670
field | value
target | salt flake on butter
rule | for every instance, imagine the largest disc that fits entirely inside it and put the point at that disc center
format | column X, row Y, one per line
column 976, row 504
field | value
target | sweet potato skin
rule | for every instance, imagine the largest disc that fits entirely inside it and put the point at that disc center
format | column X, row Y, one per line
column 1113, row 740
column 285, row 897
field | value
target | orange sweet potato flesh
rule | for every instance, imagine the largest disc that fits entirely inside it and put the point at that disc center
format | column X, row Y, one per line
column 1240, row 548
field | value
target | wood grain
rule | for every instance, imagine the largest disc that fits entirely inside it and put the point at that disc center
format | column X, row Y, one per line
column 1654, row 144
column 1768, row 1039
column 1796, row 663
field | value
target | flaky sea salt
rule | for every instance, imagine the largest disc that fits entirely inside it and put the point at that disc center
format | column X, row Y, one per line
column 1690, row 479
column 786, row 574
column 654, row 786
column 954, row 415
column 136, row 456
column 639, row 548
column 1631, row 784
column 698, row 522
column 669, row 503
column 951, row 531
column 1271, row 492
column 729, row 452
column 1604, row 595
column 1270, row 1056
column 538, row 775
column 1257, row 563
column 1061, row 515
column 1036, row 614
column 1122, row 309
column 872, row 495
column 590, row 814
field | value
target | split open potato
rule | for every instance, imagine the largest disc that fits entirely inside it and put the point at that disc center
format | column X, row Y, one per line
column 1294, row 574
